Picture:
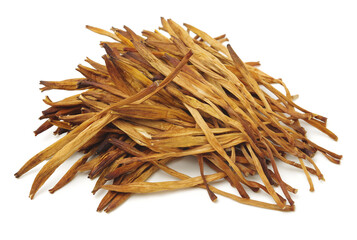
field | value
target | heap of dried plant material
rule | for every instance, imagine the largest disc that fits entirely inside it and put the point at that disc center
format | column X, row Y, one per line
column 162, row 96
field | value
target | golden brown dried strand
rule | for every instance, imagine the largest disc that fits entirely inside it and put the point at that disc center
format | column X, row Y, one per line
column 277, row 174
column 156, row 36
column 170, row 76
column 149, row 187
column 175, row 154
column 97, row 66
column 102, row 178
column 213, row 42
column 318, row 172
column 190, row 131
column 67, row 102
column 241, row 125
column 264, row 178
column 93, row 74
column 157, row 124
column 103, row 32
column 239, row 64
column 71, row 173
column 166, row 47
column 167, row 28
column 61, row 124
column 109, row 196
column 212, row 196
column 152, row 112
column 197, row 88
column 122, row 38
column 224, row 167
column 217, row 146
column 43, row 127
column 140, row 175
column 106, row 160
column 185, row 37
column 102, row 96
column 308, row 177
column 116, row 75
column 322, row 128
column 283, row 159
column 229, row 195
column 77, row 118
column 52, row 149
column 64, row 153
column 68, row 84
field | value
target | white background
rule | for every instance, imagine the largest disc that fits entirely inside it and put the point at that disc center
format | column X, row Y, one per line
column 311, row 45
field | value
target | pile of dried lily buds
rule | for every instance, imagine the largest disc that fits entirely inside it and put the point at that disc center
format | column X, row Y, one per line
column 162, row 96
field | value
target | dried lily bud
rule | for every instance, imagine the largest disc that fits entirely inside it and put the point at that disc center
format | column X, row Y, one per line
column 155, row 99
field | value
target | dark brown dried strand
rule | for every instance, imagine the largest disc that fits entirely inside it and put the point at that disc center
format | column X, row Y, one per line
column 212, row 196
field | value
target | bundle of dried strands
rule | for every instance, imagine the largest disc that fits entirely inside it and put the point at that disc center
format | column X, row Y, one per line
column 160, row 98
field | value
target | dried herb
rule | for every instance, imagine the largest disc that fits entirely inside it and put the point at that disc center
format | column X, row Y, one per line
column 159, row 98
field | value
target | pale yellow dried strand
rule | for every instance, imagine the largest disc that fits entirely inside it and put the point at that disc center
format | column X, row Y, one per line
column 166, row 27
column 308, row 177
column 149, row 187
column 246, row 201
column 213, row 42
column 142, row 138
column 190, row 131
column 103, row 32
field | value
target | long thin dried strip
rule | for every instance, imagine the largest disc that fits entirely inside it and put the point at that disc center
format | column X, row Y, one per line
column 308, row 177
column 97, row 66
column 239, row 64
column 43, row 127
column 68, row 84
column 213, row 42
column 277, row 174
column 103, row 32
column 223, row 193
column 218, row 147
column 71, row 173
column 149, row 187
column 142, row 174
column 67, row 150
column 212, row 196
column 67, row 102
column 262, row 175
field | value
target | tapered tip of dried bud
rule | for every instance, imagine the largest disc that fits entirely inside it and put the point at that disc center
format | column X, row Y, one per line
column 53, row 190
